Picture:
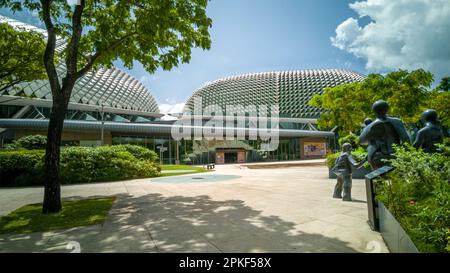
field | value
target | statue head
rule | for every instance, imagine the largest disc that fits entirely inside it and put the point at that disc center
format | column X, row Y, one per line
column 430, row 115
column 367, row 121
column 380, row 107
column 347, row 147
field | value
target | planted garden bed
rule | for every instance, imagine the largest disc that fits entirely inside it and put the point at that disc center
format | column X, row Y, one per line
column 414, row 201
column 393, row 233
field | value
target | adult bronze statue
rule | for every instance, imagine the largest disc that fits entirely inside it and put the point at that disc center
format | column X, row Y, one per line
column 381, row 134
column 431, row 134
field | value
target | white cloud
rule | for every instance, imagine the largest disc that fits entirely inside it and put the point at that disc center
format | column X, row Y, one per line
column 166, row 108
column 148, row 79
column 407, row 34
column 346, row 32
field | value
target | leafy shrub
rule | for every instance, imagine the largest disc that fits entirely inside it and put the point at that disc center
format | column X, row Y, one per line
column 417, row 193
column 350, row 138
column 32, row 142
column 9, row 147
column 138, row 152
column 107, row 163
column 79, row 165
column 16, row 167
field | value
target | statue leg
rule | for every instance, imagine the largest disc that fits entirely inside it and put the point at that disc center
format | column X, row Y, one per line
column 338, row 188
column 347, row 188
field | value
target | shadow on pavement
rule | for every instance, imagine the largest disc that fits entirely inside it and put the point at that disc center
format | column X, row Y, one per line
column 156, row 223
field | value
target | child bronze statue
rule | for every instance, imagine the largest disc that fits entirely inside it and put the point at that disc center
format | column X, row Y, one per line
column 343, row 169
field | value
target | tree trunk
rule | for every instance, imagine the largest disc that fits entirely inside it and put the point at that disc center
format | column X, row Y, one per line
column 52, row 194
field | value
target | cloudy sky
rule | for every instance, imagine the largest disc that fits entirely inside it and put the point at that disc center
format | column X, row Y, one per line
column 267, row 35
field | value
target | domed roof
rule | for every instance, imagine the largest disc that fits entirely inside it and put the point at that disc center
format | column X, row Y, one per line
column 108, row 86
column 289, row 90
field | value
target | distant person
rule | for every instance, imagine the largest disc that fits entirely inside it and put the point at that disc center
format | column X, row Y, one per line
column 431, row 134
column 382, row 134
column 343, row 170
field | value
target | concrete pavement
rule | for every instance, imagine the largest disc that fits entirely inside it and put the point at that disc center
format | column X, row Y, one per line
column 233, row 209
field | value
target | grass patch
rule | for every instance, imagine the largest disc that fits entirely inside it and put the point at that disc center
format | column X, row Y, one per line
column 187, row 168
column 180, row 167
column 29, row 218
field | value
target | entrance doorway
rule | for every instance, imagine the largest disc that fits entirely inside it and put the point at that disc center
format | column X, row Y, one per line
column 231, row 157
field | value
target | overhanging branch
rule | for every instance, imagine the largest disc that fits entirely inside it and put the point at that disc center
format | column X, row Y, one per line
column 97, row 55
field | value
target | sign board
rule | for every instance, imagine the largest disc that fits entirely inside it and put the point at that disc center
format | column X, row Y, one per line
column 379, row 172
column 314, row 148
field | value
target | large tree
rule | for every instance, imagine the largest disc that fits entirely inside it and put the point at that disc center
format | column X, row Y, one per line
column 348, row 105
column 157, row 33
column 439, row 100
column 444, row 84
column 16, row 49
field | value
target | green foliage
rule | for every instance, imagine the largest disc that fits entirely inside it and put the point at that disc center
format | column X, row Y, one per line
column 138, row 152
column 19, row 168
column 29, row 218
column 183, row 169
column 444, row 84
column 440, row 101
column 9, row 147
column 350, row 138
column 107, row 163
column 31, row 142
column 418, row 195
column 79, row 165
column 21, row 56
column 155, row 33
column 348, row 105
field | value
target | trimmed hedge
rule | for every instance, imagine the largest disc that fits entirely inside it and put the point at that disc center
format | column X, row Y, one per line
column 32, row 142
column 79, row 165
column 21, row 168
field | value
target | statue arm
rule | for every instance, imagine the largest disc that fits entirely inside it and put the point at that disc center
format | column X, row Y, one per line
column 419, row 139
column 363, row 137
column 356, row 164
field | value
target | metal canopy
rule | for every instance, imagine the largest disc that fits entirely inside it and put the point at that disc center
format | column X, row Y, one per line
column 149, row 128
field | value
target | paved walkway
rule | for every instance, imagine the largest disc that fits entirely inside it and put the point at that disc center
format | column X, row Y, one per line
column 234, row 209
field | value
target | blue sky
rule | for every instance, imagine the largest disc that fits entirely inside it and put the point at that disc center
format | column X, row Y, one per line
column 256, row 36
column 367, row 36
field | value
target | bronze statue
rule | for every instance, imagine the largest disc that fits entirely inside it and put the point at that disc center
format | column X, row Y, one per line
column 343, row 170
column 381, row 134
column 429, row 135
column 367, row 121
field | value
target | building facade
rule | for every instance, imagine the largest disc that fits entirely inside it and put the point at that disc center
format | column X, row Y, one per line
column 109, row 107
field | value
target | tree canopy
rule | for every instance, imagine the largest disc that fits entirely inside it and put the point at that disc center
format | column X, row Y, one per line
column 440, row 101
column 21, row 56
column 445, row 84
column 348, row 105
column 156, row 33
